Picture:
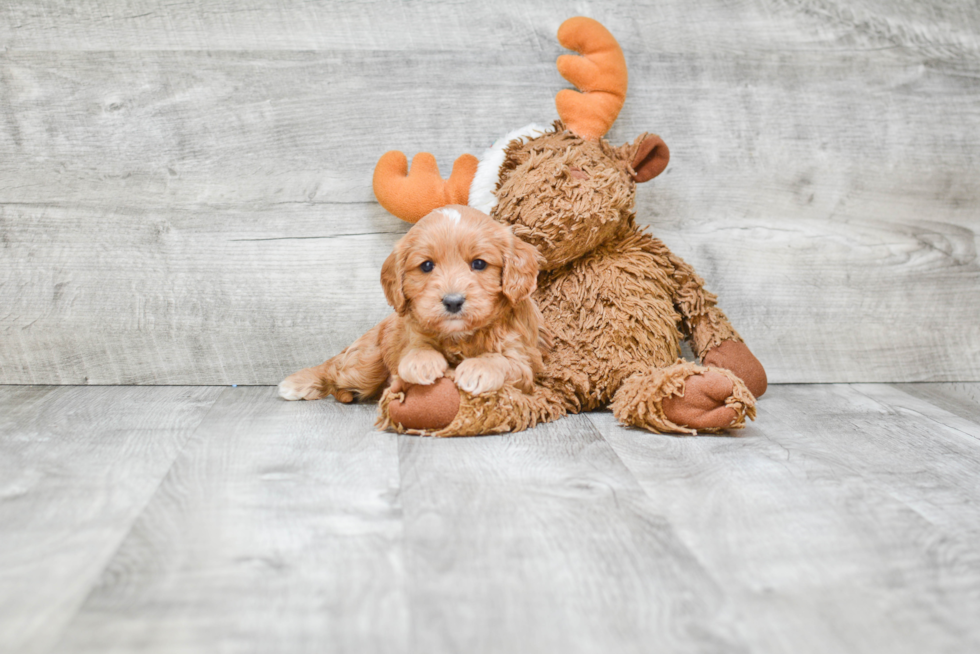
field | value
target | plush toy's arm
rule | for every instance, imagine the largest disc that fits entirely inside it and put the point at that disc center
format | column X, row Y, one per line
column 712, row 337
column 705, row 325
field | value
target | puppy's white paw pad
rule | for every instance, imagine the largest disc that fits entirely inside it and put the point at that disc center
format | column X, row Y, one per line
column 478, row 387
column 299, row 389
column 422, row 368
column 287, row 392
column 475, row 379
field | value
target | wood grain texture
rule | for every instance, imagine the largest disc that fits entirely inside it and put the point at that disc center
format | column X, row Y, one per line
column 162, row 296
column 962, row 400
column 209, row 519
column 543, row 542
column 77, row 466
column 822, row 174
column 942, row 26
column 843, row 521
column 277, row 530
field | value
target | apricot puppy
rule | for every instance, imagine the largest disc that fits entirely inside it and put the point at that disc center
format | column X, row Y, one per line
column 461, row 286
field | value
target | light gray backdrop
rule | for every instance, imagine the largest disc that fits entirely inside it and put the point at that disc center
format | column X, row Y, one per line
column 185, row 190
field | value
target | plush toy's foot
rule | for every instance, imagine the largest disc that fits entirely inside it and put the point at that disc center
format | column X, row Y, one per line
column 684, row 398
column 422, row 408
column 702, row 406
column 441, row 409
column 736, row 356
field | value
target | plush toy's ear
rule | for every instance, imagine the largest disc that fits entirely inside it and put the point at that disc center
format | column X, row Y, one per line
column 391, row 281
column 520, row 275
column 648, row 156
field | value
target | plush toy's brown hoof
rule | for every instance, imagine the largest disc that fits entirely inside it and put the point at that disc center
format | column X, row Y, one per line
column 736, row 356
column 429, row 407
column 703, row 404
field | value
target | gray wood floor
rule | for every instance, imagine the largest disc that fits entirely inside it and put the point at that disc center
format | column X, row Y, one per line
column 210, row 519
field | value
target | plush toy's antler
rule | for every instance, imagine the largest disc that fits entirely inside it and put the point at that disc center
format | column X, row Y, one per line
column 600, row 75
column 412, row 195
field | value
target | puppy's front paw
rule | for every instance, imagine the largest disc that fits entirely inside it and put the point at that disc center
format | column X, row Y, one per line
column 422, row 367
column 476, row 376
column 302, row 385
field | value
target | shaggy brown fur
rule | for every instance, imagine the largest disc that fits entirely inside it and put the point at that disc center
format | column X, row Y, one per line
column 616, row 301
column 492, row 338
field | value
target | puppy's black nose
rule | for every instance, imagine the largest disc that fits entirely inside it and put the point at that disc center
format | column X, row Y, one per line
column 453, row 302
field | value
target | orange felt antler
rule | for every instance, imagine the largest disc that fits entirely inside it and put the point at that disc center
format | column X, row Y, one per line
column 412, row 195
column 600, row 75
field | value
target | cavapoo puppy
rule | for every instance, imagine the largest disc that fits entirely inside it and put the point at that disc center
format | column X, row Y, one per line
column 461, row 287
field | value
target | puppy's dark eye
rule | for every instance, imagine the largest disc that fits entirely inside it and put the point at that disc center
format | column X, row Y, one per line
column 478, row 264
column 427, row 266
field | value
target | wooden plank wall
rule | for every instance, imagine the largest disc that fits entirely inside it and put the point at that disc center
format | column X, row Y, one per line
column 185, row 189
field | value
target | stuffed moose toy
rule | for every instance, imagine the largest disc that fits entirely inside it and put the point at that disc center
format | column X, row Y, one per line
column 616, row 302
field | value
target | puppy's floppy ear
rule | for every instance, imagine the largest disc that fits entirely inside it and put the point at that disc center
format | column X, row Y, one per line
column 391, row 280
column 520, row 275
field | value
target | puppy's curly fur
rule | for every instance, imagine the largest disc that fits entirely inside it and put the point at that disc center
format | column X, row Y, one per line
column 461, row 286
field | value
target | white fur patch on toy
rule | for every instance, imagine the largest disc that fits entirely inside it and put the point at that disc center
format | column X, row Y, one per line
column 488, row 172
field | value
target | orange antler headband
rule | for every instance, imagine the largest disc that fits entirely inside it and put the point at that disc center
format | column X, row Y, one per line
column 412, row 195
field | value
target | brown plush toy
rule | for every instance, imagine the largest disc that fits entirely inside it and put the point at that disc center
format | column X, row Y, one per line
column 616, row 301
